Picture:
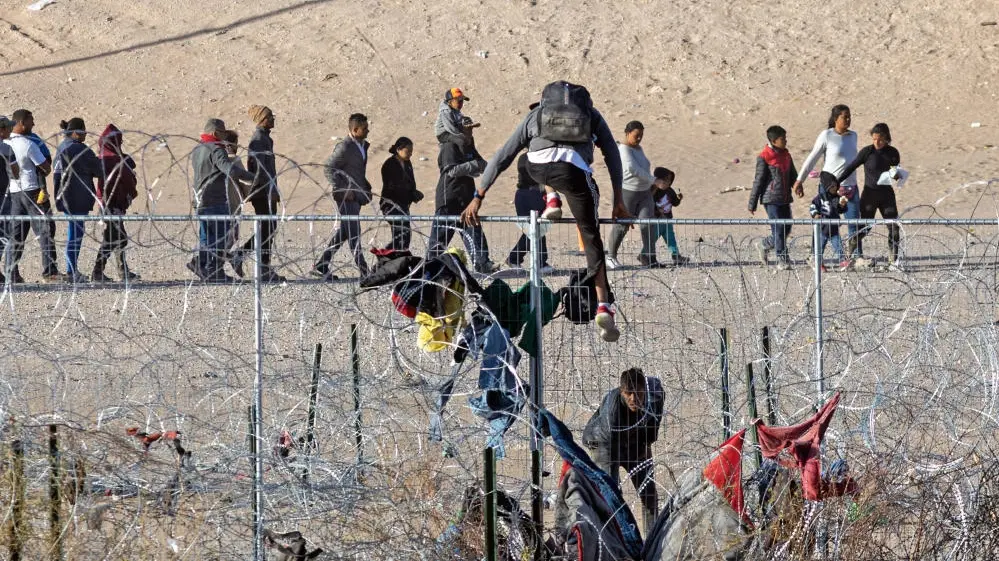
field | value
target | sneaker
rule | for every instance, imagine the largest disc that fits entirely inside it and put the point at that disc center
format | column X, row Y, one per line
column 487, row 268
column 52, row 276
column 783, row 265
column 98, row 276
column 268, row 275
column 605, row 322
column 846, row 265
column 763, row 252
column 650, row 263
column 553, row 209
column 680, row 260
column 193, row 266
column 896, row 266
column 547, row 269
column 612, row 263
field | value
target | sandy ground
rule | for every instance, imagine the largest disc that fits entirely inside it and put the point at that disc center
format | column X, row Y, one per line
column 915, row 350
column 707, row 77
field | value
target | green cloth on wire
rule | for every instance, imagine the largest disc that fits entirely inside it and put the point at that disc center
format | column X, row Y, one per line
column 514, row 313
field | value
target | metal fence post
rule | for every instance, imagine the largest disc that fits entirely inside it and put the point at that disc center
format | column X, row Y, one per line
column 768, row 376
column 489, row 509
column 817, row 263
column 726, row 404
column 258, row 396
column 537, row 383
column 355, row 366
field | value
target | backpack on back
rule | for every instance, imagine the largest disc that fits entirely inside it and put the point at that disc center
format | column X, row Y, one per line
column 566, row 111
column 579, row 298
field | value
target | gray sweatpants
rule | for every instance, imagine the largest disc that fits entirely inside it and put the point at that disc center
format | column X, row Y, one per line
column 640, row 205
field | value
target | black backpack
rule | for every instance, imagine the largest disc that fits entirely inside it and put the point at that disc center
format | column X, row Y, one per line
column 579, row 298
column 566, row 111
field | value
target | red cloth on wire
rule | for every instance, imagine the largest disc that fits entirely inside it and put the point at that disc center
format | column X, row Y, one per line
column 803, row 441
column 725, row 472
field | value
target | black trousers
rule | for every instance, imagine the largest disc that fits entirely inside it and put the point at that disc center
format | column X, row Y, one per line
column 881, row 199
column 402, row 230
column 115, row 236
column 526, row 200
column 641, row 471
column 581, row 194
column 268, row 228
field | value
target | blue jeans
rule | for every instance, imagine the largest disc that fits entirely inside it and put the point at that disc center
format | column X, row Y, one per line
column 831, row 234
column 212, row 238
column 853, row 211
column 665, row 231
column 75, row 230
column 777, row 239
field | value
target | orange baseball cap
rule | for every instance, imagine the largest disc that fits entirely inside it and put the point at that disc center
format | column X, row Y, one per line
column 455, row 93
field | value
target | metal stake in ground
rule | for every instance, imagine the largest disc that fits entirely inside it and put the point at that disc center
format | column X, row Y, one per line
column 317, row 359
column 355, row 364
column 768, row 377
column 751, row 398
column 726, row 400
column 258, row 395
column 55, row 500
column 489, row 459
column 16, row 527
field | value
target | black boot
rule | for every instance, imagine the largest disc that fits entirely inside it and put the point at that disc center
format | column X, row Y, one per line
column 98, row 273
column 126, row 273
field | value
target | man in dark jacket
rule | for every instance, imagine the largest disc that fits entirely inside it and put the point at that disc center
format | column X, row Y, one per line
column 346, row 172
column 212, row 170
column 264, row 195
column 459, row 164
column 621, row 432
column 775, row 176
column 76, row 168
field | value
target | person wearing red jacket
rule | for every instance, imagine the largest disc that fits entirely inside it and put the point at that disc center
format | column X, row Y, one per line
column 117, row 188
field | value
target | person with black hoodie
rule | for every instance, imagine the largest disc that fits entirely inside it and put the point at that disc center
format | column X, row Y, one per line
column 459, row 163
column 117, row 188
column 399, row 192
column 76, row 168
column 620, row 434
column 880, row 160
column 830, row 203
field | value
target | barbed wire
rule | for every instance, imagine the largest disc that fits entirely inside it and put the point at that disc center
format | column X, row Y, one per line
column 119, row 368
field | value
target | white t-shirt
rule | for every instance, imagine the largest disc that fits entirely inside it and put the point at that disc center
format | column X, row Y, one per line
column 837, row 151
column 27, row 155
column 559, row 154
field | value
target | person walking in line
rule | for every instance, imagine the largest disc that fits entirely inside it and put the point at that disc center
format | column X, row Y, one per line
column 264, row 194
column 559, row 134
column 346, row 173
column 8, row 171
column 117, row 188
column 46, row 201
column 829, row 204
column 880, row 160
column 530, row 196
column 212, row 172
column 620, row 434
column 459, row 164
column 666, row 198
column 449, row 115
column 236, row 193
column 76, row 169
column 636, row 185
column 775, row 175
column 399, row 192
column 26, row 194
column 837, row 146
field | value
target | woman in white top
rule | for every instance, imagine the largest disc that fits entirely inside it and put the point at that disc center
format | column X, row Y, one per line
column 837, row 146
column 636, row 188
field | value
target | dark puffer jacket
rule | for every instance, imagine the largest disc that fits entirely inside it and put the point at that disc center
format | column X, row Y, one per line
column 775, row 175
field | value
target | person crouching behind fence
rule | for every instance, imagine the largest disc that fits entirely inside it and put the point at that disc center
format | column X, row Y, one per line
column 212, row 170
column 775, row 175
column 621, row 432
column 830, row 203
column 117, row 188
column 666, row 198
column 77, row 167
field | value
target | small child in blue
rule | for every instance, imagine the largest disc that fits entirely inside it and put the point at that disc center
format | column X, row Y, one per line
column 830, row 203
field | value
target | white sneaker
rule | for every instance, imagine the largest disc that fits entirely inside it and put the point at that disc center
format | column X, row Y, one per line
column 612, row 263
column 605, row 323
column 553, row 209
column 896, row 266
column 547, row 269
column 863, row 263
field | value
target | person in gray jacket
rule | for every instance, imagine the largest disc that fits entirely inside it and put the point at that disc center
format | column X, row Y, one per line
column 622, row 430
column 566, row 168
column 346, row 172
column 212, row 171
column 636, row 186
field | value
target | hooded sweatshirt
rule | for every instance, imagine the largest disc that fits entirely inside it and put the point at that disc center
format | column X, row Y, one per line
column 117, row 185
column 78, row 168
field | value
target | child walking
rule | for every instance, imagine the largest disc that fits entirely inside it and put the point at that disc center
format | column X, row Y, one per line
column 666, row 198
column 830, row 203
column 772, row 186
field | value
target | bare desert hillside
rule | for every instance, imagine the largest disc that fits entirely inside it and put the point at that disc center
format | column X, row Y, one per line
column 705, row 76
